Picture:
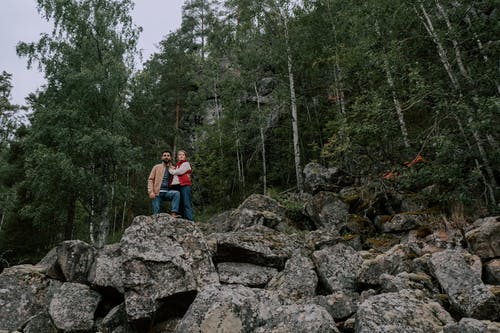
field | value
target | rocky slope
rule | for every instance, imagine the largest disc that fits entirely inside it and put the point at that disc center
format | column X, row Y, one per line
column 343, row 261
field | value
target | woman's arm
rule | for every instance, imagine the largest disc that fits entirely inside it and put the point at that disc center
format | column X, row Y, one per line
column 185, row 167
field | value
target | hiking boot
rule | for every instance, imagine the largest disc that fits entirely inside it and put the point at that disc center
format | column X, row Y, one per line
column 174, row 214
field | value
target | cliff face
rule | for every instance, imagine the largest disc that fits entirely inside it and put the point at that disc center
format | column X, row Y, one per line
column 345, row 262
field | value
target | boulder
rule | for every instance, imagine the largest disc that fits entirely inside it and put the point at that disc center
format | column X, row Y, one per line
column 49, row 265
column 24, row 293
column 75, row 258
column 319, row 178
column 492, row 272
column 402, row 222
column 320, row 239
column 398, row 259
column 471, row 325
column 405, row 311
column 303, row 318
column 257, row 245
column 328, row 212
column 228, row 308
column 467, row 293
column 40, row 323
column 238, row 309
column 338, row 267
column 245, row 274
column 485, row 239
column 72, row 308
column 106, row 270
column 405, row 280
column 258, row 209
column 221, row 222
column 116, row 317
column 163, row 258
column 340, row 305
column 298, row 281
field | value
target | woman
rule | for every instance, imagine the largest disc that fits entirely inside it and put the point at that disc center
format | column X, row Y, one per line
column 182, row 178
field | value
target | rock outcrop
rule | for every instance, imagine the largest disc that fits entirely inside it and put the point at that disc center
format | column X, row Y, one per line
column 343, row 261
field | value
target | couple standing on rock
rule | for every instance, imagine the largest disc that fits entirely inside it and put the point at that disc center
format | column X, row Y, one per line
column 173, row 183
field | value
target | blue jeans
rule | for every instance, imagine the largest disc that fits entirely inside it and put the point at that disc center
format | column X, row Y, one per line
column 173, row 196
column 186, row 198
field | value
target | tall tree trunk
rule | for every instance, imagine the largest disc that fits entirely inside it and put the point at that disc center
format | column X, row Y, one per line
column 125, row 202
column 427, row 22
column 262, row 141
column 1, row 220
column 458, row 54
column 104, row 218
column 70, row 219
column 293, row 104
column 397, row 104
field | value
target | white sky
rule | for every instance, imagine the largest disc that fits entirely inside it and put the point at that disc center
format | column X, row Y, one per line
column 20, row 21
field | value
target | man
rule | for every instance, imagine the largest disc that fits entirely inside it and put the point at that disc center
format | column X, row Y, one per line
column 159, row 186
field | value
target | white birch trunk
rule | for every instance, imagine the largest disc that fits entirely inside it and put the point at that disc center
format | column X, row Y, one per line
column 262, row 141
column 458, row 54
column 397, row 104
column 293, row 104
column 426, row 21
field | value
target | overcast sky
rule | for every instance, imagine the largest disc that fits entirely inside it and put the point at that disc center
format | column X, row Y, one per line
column 20, row 21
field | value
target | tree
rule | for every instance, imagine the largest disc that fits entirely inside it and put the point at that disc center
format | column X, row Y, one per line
column 79, row 148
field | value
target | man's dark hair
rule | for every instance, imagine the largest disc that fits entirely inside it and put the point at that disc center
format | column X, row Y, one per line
column 166, row 151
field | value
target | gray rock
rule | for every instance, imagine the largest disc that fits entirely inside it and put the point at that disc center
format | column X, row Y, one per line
column 398, row 259
column 234, row 308
column 340, row 305
column 405, row 280
column 162, row 257
column 75, row 258
column 258, row 209
column 114, row 319
column 319, row 178
column 338, row 267
column 219, row 223
column 72, row 308
column 403, row 222
column 257, row 245
column 40, row 323
column 106, row 270
column 298, row 281
column 492, row 272
column 24, row 293
column 299, row 319
column 485, row 239
column 471, row 325
column 228, row 308
column 49, row 265
column 403, row 312
column 359, row 225
column 318, row 239
column 467, row 293
column 327, row 211
column 249, row 275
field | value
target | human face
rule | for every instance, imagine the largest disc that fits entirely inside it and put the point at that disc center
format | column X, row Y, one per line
column 166, row 157
column 181, row 156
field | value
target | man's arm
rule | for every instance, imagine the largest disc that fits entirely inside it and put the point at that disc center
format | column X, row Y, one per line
column 151, row 180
